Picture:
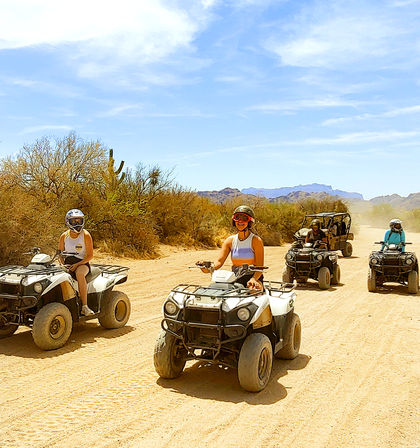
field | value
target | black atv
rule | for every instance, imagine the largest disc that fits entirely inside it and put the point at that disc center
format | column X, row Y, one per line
column 309, row 260
column 393, row 265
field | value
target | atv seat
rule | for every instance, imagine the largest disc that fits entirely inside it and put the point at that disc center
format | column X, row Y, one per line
column 94, row 272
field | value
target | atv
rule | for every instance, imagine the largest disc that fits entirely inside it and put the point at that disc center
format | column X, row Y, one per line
column 393, row 265
column 337, row 228
column 44, row 296
column 228, row 324
column 309, row 260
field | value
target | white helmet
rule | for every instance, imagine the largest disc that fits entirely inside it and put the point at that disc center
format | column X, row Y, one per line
column 395, row 225
column 75, row 220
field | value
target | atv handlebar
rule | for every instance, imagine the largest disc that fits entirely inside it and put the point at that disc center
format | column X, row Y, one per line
column 402, row 243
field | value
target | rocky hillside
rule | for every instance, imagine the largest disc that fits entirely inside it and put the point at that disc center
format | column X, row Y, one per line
column 308, row 188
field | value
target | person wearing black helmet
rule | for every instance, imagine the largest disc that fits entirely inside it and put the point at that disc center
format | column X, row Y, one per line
column 395, row 234
column 316, row 234
column 245, row 247
column 78, row 241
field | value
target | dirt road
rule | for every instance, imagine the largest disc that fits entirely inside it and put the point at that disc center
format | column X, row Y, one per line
column 355, row 383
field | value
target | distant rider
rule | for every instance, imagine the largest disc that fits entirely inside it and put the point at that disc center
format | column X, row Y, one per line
column 78, row 241
column 245, row 248
column 395, row 234
column 316, row 234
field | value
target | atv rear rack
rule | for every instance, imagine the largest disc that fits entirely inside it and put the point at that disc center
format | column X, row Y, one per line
column 110, row 268
column 26, row 271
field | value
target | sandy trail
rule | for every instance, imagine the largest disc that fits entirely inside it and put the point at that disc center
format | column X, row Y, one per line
column 355, row 383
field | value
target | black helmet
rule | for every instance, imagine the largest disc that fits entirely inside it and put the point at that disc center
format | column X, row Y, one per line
column 244, row 210
column 316, row 222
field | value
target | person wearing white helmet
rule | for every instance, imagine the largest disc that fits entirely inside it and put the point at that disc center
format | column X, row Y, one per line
column 77, row 240
column 245, row 247
column 395, row 234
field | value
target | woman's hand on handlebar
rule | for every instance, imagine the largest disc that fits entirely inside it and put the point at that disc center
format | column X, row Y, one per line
column 205, row 266
column 253, row 284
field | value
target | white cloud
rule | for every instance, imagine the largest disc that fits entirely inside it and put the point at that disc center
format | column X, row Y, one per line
column 389, row 114
column 46, row 127
column 304, row 104
column 103, row 36
column 341, row 34
column 123, row 109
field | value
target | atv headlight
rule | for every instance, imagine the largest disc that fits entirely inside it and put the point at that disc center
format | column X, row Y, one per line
column 409, row 260
column 374, row 260
column 319, row 257
column 38, row 287
column 170, row 308
column 289, row 256
column 243, row 314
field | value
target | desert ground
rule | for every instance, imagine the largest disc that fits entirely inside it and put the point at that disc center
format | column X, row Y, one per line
column 356, row 382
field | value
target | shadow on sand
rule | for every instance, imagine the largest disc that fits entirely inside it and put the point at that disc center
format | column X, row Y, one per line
column 392, row 289
column 22, row 345
column 212, row 382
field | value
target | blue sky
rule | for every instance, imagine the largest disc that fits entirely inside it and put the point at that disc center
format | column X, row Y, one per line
column 232, row 93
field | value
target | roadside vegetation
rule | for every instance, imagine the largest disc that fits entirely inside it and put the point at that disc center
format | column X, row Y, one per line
column 129, row 211
column 380, row 215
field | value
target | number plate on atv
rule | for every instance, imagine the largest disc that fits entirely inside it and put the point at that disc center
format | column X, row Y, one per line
column 204, row 301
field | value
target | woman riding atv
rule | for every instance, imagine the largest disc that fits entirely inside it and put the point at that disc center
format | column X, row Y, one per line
column 395, row 234
column 245, row 248
column 78, row 241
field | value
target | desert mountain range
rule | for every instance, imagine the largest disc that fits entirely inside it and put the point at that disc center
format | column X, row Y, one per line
column 296, row 193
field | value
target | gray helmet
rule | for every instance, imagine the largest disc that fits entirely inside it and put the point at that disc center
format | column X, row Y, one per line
column 396, row 225
column 244, row 210
column 75, row 220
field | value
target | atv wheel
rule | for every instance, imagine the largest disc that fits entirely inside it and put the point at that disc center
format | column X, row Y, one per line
column 7, row 330
column 413, row 282
column 336, row 275
column 255, row 362
column 324, row 278
column 287, row 275
column 371, row 281
column 169, row 356
column 348, row 250
column 291, row 337
column 52, row 326
column 115, row 310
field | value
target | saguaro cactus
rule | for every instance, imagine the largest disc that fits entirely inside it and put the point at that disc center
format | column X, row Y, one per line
column 113, row 177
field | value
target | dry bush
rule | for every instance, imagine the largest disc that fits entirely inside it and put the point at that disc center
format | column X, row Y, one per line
column 25, row 224
column 411, row 220
column 184, row 218
column 278, row 221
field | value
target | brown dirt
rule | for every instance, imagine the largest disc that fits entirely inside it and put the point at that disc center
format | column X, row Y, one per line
column 355, row 383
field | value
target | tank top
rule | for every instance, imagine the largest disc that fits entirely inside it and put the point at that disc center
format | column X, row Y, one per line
column 75, row 244
column 242, row 251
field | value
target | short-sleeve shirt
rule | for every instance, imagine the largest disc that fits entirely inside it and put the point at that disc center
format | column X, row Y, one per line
column 312, row 236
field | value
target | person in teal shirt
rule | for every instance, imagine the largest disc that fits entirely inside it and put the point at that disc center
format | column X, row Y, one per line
column 395, row 234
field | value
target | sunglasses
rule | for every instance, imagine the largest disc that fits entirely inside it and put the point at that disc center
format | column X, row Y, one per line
column 397, row 226
column 241, row 217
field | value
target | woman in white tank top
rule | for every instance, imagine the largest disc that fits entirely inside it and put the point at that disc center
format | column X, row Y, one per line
column 80, row 243
column 245, row 247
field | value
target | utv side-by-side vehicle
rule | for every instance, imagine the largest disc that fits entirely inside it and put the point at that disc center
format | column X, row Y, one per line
column 337, row 228
column 44, row 297
column 228, row 324
column 393, row 265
